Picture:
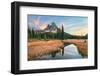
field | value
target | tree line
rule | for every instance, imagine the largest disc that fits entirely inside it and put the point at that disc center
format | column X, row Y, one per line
column 59, row 34
column 46, row 35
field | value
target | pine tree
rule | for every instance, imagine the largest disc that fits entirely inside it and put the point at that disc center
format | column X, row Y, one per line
column 45, row 37
column 28, row 33
column 62, row 32
column 32, row 33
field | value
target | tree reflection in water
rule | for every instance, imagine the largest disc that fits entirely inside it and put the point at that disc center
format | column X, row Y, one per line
column 54, row 53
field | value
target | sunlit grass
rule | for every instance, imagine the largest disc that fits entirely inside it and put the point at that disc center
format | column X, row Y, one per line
column 81, row 44
column 38, row 48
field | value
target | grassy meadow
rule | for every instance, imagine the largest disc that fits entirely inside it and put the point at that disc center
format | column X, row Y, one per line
column 38, row 48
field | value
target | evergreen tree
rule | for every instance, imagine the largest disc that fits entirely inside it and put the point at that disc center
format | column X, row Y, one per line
column 32, row 33
column 62, row 32
column 45, row 37
column 28, row 33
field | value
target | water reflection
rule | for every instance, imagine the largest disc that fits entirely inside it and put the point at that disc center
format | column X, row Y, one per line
column 68, row 52
column 53, row 54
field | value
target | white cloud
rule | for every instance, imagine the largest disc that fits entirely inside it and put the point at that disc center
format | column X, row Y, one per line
column 37, row 21
column 78, row 30
column 81, row 31
column 43, row 26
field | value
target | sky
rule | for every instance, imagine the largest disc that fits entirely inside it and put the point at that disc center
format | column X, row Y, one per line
column 75, row 25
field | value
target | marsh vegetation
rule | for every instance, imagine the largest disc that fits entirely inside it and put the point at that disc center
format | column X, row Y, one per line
column 40, row 48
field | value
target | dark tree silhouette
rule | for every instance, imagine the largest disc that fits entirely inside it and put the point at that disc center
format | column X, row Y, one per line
column 29, row 33
column 32, row 33
column 62, row 32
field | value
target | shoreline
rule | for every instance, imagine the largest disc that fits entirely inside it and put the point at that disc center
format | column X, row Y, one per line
column 38, row 48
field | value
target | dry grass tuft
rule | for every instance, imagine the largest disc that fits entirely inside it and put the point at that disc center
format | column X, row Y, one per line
column 81, row 44
column 39, row 48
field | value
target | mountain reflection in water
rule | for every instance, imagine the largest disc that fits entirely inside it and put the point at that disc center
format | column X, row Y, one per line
column 70, row 52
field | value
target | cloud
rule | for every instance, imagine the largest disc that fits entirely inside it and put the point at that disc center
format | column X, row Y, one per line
column 36, row 21
column 80, row 31
column 43, row 26
column 36, row 24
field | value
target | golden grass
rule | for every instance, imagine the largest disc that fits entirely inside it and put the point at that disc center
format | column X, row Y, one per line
column 56, row 43
column 81, row 44
column 39, row 48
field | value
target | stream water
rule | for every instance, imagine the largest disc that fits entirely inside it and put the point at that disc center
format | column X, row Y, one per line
column 70, row 52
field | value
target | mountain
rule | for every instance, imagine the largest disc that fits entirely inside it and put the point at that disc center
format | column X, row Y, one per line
column 51, row 28
column 67, row 35
column 52, row 31
column 44, row 28
column 86, row 36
